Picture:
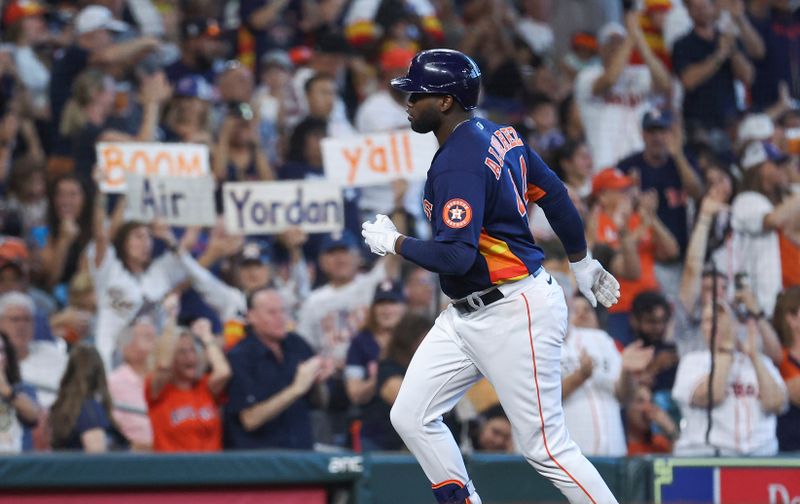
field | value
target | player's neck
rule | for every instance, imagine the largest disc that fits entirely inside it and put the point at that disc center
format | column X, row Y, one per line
column 449, row 124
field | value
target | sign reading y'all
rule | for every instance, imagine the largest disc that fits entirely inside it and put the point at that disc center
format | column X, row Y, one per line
column 366, row 160
column 117, row 159
column 178, row 201
column 314, row 206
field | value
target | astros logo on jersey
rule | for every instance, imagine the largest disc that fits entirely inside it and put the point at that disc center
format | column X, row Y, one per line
column 457, row 213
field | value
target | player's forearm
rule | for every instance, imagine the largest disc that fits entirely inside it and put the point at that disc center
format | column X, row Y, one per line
column 566, row 223
column 444, row 258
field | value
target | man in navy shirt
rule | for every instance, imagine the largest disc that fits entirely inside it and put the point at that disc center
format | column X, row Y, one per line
column 198, row 49
column 779, row 27
column 275, row 378
column 509, row 317
column 707, row 63
column 663, row 167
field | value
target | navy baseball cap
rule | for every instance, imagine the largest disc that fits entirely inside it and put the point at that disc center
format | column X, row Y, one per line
column 389, row 291
column 656, row 119
column 256, row 252
column 339, row 240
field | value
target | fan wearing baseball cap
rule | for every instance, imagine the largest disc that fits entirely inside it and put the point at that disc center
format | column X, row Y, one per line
column 94, row 46
column 629, row 225
column 763, row 214
column 200, row 45
column 24, row 27
column 663, row 166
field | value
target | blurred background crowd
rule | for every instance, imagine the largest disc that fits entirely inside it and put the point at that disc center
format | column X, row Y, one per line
column 675, row 126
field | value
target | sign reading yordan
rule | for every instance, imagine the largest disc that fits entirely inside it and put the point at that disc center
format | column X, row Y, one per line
column 116, row 160
column 271, row 207
column 365, row 160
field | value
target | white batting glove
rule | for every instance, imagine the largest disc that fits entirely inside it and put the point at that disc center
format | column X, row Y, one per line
column 380, row 235
column 595, row 282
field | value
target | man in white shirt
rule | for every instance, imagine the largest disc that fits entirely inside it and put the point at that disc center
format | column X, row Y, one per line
column 613, row 96
column 334, row 313
column 41, row 362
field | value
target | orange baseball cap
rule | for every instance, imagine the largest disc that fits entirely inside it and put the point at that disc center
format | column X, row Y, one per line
column 610, row 178
column 657, row 5
column 396, row 58
column 22, row 9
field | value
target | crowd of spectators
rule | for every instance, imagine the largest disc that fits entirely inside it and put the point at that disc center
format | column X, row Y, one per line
column 675, row 126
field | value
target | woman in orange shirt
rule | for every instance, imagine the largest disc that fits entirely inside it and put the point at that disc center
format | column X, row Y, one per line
column 631, row 227
column 183, row 399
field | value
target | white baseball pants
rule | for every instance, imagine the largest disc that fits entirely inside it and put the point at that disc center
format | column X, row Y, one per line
column 516, row 344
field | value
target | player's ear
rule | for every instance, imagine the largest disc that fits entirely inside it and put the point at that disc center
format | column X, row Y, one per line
column 446, row 102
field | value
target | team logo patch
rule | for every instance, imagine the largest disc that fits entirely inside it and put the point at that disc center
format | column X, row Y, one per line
column 427, row 207
column 457, row 213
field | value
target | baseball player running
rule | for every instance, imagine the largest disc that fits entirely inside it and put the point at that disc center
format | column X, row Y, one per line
column 509, row 316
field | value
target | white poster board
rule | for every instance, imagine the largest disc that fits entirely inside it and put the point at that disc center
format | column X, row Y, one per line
column 314, row 206
column 117, row 159
column 380, row 158
column 179, row 201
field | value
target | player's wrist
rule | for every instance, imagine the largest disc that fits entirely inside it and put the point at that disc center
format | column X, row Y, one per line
column 581, row 264
column 398, row 243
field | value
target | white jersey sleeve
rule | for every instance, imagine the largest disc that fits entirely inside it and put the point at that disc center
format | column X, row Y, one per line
column 227, row 301
column 748, row 212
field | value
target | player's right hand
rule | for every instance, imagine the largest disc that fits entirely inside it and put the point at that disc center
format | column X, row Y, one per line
column 380, row 235
column 594, row 282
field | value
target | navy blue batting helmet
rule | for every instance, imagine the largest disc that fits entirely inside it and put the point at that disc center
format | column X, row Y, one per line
column 443, row 71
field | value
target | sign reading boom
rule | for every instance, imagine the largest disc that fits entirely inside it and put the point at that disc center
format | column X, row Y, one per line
column 365, row 160
column 272, row 207
column 117, row 160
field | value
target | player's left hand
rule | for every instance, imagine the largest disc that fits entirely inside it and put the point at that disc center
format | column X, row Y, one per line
column 380, row 235
column 595, row 282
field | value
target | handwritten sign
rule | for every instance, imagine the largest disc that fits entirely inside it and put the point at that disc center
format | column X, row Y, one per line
column 365, row 160
column 116, row 160
column 272, row 207
column 179, row 201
